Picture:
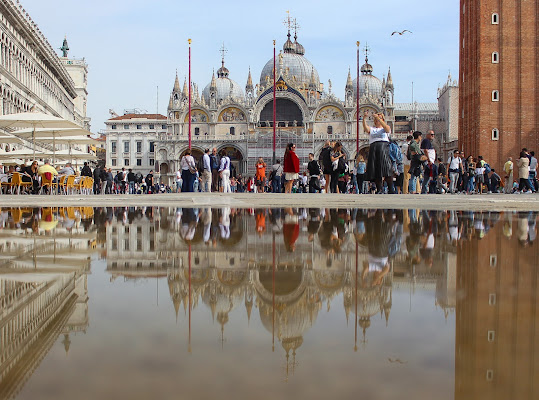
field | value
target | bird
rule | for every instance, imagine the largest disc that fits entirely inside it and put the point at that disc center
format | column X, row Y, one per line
column 401, row 33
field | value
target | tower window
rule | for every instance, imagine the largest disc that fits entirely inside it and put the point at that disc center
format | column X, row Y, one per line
column 495, row 57
column 495, row 95
column 495, row 134
column 495, row 19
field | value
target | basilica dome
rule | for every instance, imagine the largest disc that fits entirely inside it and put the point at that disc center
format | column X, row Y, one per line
column 368, row 83
column 294, row 64
column 224, row 86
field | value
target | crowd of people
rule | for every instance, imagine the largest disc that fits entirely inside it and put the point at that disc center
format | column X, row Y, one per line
column 413, row 167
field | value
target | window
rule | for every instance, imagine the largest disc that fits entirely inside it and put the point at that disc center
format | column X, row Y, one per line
column 492, row 299
column 197, row 131
column 113, row 147
column 490, row 375
column 495, row 134
column 491, row 336
column 495, row 19
column 330, row 130
column 152, row 126
column 232, row 130
column 113, row 127
column 126, row 162
column 495, row 57
column 139, row 126
column 113, row 162
column 163, row 127
column 493, row 260
column 152, row 162
column 139, row 147
column 152, row 147
column 126, row 126
column 126, row 147
column 495, row 95
column 139, row 162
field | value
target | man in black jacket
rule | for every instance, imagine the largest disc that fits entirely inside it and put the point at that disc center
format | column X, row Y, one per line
column 314, row 172
column 325, row 160
column 86, row 170
column 97, row 179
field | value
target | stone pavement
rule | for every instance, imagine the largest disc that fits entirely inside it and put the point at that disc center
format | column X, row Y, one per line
column 487, row 202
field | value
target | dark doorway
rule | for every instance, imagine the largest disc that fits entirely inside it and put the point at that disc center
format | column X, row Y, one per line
column 287, row 112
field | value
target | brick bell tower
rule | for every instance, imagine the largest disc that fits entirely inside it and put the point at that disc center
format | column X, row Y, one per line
column 499, row 78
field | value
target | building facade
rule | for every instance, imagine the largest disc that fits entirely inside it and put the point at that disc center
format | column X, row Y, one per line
column 130, row 141
column 240, row 122
column 499, row 78
column 32, row 76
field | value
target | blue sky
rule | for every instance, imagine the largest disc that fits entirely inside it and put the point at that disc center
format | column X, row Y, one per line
column 132, row 47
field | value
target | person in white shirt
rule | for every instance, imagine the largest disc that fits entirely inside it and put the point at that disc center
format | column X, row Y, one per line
column 454, row 166
column 224, row 171
column 206, row 175
column 179, row 180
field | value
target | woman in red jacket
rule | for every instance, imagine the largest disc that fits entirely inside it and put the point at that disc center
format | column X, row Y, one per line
column 291, row 167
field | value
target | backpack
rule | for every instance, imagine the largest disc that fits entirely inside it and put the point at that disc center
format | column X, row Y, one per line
column 408, row 154
column 200, row 164
column 395, row 152
column 487, row 168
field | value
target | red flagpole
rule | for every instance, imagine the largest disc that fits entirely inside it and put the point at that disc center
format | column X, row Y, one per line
column 357, row 102
column 274, row 105
column 189, row 40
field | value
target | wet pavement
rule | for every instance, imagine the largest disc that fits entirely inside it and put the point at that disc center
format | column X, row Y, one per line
column 160, row 302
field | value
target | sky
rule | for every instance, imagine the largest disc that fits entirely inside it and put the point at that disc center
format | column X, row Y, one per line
column 134, row 48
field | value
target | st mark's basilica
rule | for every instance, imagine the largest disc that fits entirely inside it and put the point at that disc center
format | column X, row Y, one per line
column 240, row 121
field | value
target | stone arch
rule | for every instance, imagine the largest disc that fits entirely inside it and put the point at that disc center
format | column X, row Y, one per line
column 233, row 115
column 294, row 290
column 164, row 168
column 330, row 104
column 263, row 101
column 237, row 156
column 198, row 116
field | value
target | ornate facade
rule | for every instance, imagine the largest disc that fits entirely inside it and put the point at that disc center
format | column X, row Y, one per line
column 32, row 76
column 225, row 116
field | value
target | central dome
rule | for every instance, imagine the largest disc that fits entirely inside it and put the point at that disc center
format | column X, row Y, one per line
column 368, row 83
column 294, row 64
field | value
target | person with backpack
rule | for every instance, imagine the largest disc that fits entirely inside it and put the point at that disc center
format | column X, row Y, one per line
column 314, row 171
column 86, row 170
column 215, row 163
column 406, row 163
column 395, row 154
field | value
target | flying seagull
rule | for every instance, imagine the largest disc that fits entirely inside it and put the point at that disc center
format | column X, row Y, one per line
column 401, row 33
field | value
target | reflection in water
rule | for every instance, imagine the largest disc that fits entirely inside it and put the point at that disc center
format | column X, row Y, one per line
column 288, row 265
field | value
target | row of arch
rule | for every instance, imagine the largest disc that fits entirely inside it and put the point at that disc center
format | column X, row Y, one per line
column 335, row 110
column 12, row 102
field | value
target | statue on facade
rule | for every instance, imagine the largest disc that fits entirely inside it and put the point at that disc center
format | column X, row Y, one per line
column 64, row 48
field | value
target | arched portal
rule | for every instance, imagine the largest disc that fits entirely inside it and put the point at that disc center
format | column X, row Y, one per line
column 288, row 113
column 196, row 153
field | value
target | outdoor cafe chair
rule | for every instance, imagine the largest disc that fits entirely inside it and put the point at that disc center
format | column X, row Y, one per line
column 79, row 186
column 69, row 187
column 61, row 184
column 46, row 180
column 17, row 182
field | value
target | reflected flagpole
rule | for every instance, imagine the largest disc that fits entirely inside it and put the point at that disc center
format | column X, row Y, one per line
column 190, row 304
column 355, row 323
column 274, row 105
column 189, row 40
column 357, row 101
column 273, row 293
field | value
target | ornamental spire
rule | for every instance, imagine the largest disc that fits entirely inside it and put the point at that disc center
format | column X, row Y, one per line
column 176, row 83
column 249, row 85
column 349, row 83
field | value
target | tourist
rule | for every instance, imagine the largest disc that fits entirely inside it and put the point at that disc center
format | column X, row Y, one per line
column 108, row 181
column 479, row 175
column 325, row 160
column 30, row 174
column 417, row 158
column 314, row 171
column 67, row 170
column 86, row 170
column 361, row 168
column 187, row 164
column 291, row 167
column 224, row 171
column 379, row 163
column 406, row 161
column 337, row 166
column 130, row 181
column 523, row 164
column 470, row 174
column 215, row 164
column 275, row 176
column 508, row 169
column 206, row 172
column 533, row 171
column 149, row 182
column 179, row 180
column 454, row 164
column 428, row 148
column 495, row 181
column 260, row 175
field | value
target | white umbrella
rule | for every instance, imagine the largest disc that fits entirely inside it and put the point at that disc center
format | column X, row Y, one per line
column 75, row 155
column 34, row 120
column 76, row 134
column 7, row 138
column 69, row 140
